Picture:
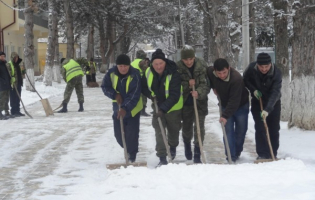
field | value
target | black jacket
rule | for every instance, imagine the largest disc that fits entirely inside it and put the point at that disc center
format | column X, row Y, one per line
column 268, row 84
column 4, row 77
column 158, row 86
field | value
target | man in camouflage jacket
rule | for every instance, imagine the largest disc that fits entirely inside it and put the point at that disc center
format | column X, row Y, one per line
column 193, row 73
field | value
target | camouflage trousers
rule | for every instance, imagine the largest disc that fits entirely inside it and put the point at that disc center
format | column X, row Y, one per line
column 4, row 100
column 189, row 125
column 74, row 83
column 172, row 123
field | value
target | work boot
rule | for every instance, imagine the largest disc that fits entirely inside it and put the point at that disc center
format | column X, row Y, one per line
column 197, row 155
column 19, row 114
column 173, row 152
column 7, row 114
column 188, row 153
column 64, row 108
column 2, row 117
column 143, row 113
column 81, row 109
column 163, row 161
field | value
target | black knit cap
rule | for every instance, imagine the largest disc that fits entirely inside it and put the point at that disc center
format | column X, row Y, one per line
column 2, row 53
column 263, row 59
column 158, row 54
column 123, row 59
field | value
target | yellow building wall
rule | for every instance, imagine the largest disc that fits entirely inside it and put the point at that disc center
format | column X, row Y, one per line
column 14, row 35
column 42, row 49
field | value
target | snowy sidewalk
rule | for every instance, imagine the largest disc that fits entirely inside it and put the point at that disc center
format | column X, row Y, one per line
column 64, row 156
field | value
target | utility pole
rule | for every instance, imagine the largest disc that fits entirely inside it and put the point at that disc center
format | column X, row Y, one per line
column 181, row 25
column 245, row 33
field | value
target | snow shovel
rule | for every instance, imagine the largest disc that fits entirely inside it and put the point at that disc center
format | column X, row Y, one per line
column 268, row 138
column 45, row 102
column 198, row 130
column 22, row 102
column 227, row 147
column 116, row 166
column 163, row 133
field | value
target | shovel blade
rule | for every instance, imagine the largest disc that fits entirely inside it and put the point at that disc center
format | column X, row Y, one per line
column 264, row 160
column 118, row 166
column 47, row 107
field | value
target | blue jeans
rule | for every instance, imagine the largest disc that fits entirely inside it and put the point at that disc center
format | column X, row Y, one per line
column 236, row 128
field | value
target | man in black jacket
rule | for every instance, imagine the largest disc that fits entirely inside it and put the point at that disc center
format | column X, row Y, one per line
column 264, row 80
column 162, row 82
column 4, row 86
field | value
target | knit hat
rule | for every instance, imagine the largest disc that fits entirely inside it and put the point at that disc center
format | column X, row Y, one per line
column 158, row 54
column 141, row 54
column 187, row 52
column 123, row 59
column 2, row 53
column 263, row 59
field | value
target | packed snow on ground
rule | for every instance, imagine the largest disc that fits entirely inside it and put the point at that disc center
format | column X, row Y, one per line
column 85, row 144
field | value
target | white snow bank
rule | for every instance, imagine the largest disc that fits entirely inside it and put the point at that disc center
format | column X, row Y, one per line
column 285, row 179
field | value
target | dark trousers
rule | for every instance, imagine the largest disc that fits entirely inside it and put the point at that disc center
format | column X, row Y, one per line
column 15, row 100
column 273, row 122
column 131, row 128
column 93, row 77
column 88, row 78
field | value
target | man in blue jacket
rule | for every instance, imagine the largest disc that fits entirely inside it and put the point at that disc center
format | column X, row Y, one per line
column 122, row 84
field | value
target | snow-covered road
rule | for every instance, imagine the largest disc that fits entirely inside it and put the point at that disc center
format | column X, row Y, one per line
column 64, row 157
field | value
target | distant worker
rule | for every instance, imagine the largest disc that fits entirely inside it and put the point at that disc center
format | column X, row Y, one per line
column 72, row 74
column 139, row 64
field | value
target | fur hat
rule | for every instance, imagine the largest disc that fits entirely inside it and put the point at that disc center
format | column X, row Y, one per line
column 2, row 53
column 141, row 54
column 158, row 54
column 187, row 52
column 123, row 59
column 263, row 59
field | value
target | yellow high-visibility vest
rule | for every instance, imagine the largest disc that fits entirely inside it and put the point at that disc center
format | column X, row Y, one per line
column 180, row 103
column 114, row 80
column 73, row 69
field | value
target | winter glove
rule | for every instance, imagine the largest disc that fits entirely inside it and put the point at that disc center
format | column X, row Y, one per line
column 257, row 94
column 159, row 114
column 264, row 114
column 118, row 98
column 121, row 113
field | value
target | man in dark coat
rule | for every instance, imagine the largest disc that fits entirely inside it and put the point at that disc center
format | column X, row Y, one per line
column 264, row 81
column 4, row 86
column 228, row 85
column 162, row 82
column 122, row 84
column 16, row 82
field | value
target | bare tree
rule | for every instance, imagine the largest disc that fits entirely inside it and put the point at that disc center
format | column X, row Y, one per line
column 282, row 54
column 235, row 9
column 222, row 32
column 52, row 25
column 90, row 46
column 29, row 44
column 303, row 67
column 69, row 28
